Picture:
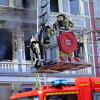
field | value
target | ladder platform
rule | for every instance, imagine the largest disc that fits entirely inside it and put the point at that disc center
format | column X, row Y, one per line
column 60, row 67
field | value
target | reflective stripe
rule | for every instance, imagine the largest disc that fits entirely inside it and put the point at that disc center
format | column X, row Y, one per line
column 97, row 82
column 44, row 97
column 86, row 84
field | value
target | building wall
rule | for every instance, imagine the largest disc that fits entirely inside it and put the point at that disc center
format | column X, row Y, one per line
column 95, row 15
column 21, row 24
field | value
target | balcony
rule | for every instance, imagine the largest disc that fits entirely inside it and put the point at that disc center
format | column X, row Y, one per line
column 17, row 14
column 13, row 68
column 80, row 22
column 16, row 69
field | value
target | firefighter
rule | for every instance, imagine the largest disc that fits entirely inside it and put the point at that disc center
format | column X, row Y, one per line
column 35, row 52
column 62, row 23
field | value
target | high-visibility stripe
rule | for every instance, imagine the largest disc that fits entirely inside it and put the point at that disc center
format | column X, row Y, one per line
column 44, row 97
column 86, row 84
column 97, row 82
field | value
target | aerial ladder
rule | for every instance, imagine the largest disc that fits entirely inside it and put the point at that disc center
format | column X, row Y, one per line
column 57, row 48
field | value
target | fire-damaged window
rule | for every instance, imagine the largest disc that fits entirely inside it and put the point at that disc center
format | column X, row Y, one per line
column 5, row 45
column 27, row 50
column 54, row 6
column 25, row 3
column 27, row 46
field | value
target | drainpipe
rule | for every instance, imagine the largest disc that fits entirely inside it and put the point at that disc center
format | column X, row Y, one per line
column 94, row 38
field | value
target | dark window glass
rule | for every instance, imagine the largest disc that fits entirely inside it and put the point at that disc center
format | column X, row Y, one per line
column 5, row 45
column 27, row 38
column 27, row 45
column 62, row 97
column 54, row 6
column 30, row 98
column 27, row 50
column 25, row 3
column 74, row 6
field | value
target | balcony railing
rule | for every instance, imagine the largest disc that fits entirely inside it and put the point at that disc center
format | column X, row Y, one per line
column 78, row 21
column 10, row 67
column 16, row 68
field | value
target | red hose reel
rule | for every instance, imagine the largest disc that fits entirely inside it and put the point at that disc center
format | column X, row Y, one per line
column 67, row 42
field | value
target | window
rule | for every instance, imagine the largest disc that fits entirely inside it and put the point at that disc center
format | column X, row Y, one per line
column 17, row 3
column 62, row 97
column 96, row 8
column 86, row 11
column 25, row 3
column 54, row 6
column 30, row 98
column 5, row 45
column 96, row 96
column 27, row 45
column 74, row 6
column 65, row 5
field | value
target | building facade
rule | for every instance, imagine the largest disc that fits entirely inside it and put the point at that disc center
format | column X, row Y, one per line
column 18, row 22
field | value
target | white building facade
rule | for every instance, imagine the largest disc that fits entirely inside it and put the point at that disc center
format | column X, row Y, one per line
column 19, row 21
